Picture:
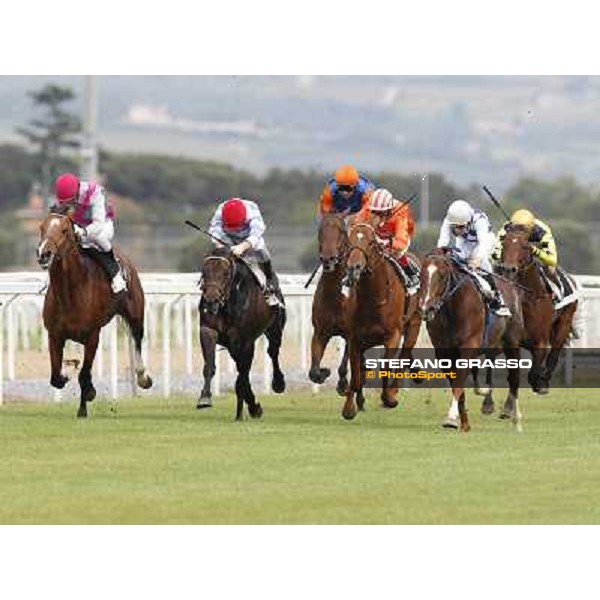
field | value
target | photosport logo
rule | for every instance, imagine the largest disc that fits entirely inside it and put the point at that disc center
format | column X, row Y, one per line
column 426, row 368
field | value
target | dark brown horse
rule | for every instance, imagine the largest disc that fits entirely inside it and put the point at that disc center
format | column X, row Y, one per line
column 330, row 309
column 548, row 329
column 455, row 313
column 384, row 313
column 234, row 313
column 79, row 302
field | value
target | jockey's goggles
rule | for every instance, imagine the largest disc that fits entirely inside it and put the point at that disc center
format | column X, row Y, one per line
column 346, row 188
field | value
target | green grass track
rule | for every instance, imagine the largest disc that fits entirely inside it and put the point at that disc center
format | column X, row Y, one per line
column 158, row 461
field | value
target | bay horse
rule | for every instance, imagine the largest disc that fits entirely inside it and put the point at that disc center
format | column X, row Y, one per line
column 80, row 301
column 383, row 314
column 331, row 309
column 455, row 314
column 234, row 313
column 541, row 319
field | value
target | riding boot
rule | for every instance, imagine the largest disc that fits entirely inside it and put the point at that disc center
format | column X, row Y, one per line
column 272, row 290
column 413, row 274
column 496, row 301
column 109, row 263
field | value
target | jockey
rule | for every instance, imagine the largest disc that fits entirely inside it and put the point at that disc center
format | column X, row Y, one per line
column 92, row 218
column 346, row 192
column 469, row 232
column 239, row 223
column 543, row 247
column 393, row 225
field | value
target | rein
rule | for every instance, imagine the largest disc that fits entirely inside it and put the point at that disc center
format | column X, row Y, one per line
column 449, row 291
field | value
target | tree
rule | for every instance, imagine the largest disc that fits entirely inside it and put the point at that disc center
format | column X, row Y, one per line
column 55, row 131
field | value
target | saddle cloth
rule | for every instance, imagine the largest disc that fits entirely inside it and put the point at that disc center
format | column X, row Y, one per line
column 398, row 269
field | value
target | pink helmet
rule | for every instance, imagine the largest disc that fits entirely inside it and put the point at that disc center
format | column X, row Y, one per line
column 382, row 200
column 66, row 187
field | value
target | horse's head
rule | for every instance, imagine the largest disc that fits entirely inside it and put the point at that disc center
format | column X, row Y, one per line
column 217, row 277
column 333, row 241
column 436, row 273
column 56, row 238
column 516, row 252
column 362, row 242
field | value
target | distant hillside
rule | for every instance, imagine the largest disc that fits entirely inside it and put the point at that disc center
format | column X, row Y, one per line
column 472, row 129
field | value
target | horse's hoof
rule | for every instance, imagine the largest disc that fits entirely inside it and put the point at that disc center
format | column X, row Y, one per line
column 542, row 391
column 450, row 424
column 465, row 428
column 349, row 414
column 505, row 415
column 204, row 403
column 59, row 382
column 487, row 408
column 278, row 384
column 145, row 382
column 319, row 375
column 360, row 403
column 82, row 414
column 256, row 412
column 386, row 403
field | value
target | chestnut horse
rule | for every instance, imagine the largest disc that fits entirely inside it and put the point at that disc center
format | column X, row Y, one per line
column 330, row 309
column 80, row 301
column 234, row 313
column 455, row 313
column 384, row 313
column 544, row 324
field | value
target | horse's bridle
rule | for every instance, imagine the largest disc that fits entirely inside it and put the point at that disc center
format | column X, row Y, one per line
column 62, row 249
column 372, row 244
column 455, row 277
column 330, row 264
column 223, row 293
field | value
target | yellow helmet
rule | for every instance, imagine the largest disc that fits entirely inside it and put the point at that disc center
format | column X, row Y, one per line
column 523, row 218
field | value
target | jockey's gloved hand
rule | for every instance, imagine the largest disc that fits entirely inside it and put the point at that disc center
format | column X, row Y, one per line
column 474, row 263
column 536, row 251
column 239, row 249
column 80, row 232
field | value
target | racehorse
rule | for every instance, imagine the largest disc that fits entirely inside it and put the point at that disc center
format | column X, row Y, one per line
column 541, row 319
column 460, row 328
column 331, row 310
column 384, row 313
column 80, row 301
column 234, row 313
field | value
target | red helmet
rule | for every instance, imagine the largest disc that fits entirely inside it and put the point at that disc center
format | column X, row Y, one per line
column 66, row 186
column 234, row 214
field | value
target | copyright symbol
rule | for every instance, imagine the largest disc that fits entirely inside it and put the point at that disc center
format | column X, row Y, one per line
column 370, row 374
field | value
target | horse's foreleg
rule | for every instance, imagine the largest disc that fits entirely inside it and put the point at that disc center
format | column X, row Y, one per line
column 559, row 337
column 208, row 343
column 342, row 384
column 349, row 409
column 487, row 406
column 274, row 335
column 411, row 334
column 243, row 389
column 511, row 405
column 390, row 386
column 88, row 391
column 536, row 373
column 56, row 346
column 320, row 339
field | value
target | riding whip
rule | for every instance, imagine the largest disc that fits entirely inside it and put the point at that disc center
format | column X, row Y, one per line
column 495, row 202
